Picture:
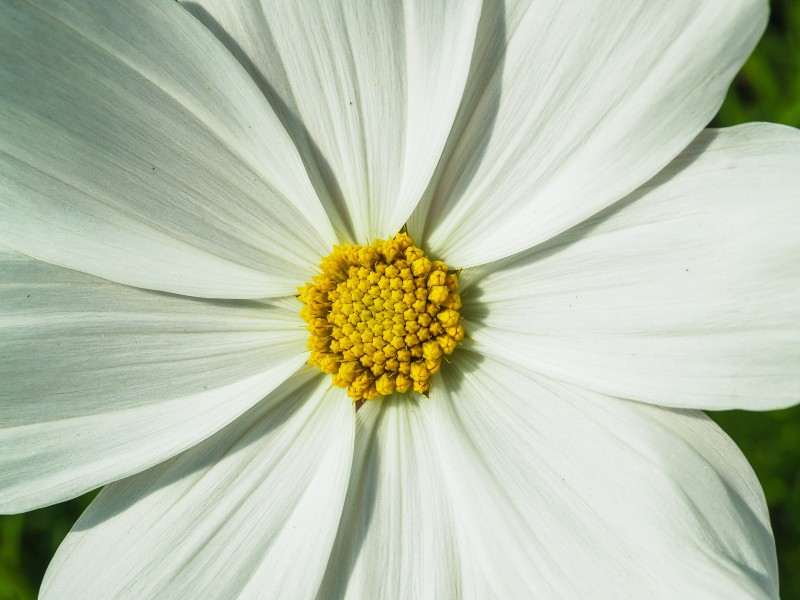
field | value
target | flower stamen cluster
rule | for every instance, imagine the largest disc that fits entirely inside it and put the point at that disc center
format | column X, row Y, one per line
column 381, row 317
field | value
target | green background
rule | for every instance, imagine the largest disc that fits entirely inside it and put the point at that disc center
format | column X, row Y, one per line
column 767, row 89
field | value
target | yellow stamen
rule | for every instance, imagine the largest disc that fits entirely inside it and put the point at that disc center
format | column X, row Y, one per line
column 381, row 317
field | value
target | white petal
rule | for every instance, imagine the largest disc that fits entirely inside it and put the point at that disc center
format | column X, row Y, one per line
column 564, row 493
column 397, row 538
column 368, row 91
column 136, row 148
column 685, row 294
column 101, row 380
column 249, row 513
column 588, row 101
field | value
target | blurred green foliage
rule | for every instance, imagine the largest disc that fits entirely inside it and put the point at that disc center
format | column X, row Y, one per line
column 768, row 86
column 28, row 542
column 767, row 89
column 771, row 442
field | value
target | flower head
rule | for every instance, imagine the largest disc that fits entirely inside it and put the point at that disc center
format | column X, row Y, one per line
column 381, row 317
column 588, row 268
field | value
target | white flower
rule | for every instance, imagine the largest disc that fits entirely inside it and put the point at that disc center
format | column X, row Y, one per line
column 161, row 204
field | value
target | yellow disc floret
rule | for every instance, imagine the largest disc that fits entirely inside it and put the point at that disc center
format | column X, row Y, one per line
column 382, row 317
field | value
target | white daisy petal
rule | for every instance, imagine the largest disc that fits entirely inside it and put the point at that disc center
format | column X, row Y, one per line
column 587, row 102
column 397, row 538
column 102, row 380
column 567, row 493
column 368, row 89
column 686, row 294
column 249, row 513
column 135, row 148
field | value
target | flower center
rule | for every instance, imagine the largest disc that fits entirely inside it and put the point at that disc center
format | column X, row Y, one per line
column 381, row 317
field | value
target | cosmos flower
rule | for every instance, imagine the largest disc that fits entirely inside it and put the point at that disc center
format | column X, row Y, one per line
column 173, row 173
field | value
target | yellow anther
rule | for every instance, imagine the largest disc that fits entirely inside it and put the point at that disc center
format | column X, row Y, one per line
column 381, row 317
column 437, row 294
column 384, row 384
column 451, row 281
column 447, row 343
column 413, row 253
column 431, row 350
column 433, row 365
column 328, row 363
column 437, row 278
column 421, row 267
column 419, row 370
column 402, row 383
column 348, row 371
column 453, row 301
column 422, row 386
column 448, row 318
